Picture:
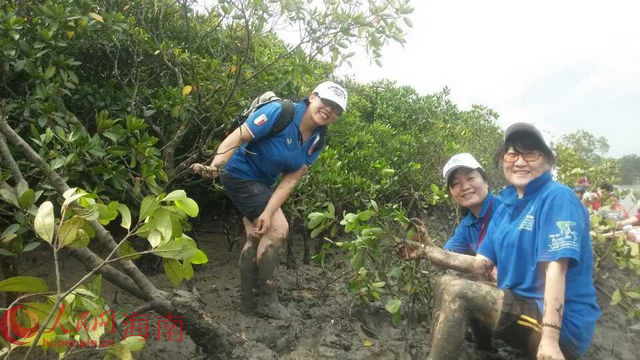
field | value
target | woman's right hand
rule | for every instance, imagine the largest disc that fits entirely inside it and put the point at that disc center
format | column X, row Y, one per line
column 203, row 170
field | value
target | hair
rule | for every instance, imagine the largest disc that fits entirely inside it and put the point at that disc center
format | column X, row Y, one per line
column 522, row 142
column 479, row 170
column 463, row 210
column 606, row 186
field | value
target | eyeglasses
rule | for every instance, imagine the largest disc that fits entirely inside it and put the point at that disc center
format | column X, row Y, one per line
column 529, row 156
column 331, row 104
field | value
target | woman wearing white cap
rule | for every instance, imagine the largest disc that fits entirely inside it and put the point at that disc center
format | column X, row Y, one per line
column 469, row 187
column 539, row 240
column 253, row 158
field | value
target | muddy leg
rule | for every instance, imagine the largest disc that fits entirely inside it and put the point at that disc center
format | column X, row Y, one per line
column 248, row 272
column 268, row 259
column 463, row 301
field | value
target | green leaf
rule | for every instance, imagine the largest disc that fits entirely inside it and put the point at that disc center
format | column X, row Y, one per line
column 317, row 231
column 315, row 220
column 199, row 258
column 635, row 249
column 188, row 205
column 173, row 270
column 181, row 248
column 9, row 196
column 5, row 252
column 162, row 223
column 134, row 343
column 615, row 297
column 393, row 305
column 125, row 214
column 51, row 70
column 27, row 284
column 366, row 215
column 44, row 221
column 358, row 260
column 31, row 246
column 632, row 295
column 378, row 285
column 10, row 230
column 175, row 195
column 27, row 198
column 69, row 229
column 148, row 206
column 106, row 214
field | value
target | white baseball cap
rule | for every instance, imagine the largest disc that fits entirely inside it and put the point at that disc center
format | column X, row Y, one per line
column 457, row 161
column 334, row 92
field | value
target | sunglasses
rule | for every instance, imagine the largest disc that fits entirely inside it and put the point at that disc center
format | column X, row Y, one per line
column 529, row 156
column 331, row 104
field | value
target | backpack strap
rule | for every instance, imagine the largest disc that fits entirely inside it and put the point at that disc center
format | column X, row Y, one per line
column 323, row 132
column 286, row 117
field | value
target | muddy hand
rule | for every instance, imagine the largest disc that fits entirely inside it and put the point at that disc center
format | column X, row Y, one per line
column 409, row 250
column 210, row 172
column 421, row 232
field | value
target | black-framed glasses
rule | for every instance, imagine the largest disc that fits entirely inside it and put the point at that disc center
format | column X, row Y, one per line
column 331, row 104
column 529, row 156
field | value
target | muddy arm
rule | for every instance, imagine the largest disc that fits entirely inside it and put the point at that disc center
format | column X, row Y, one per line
column 425, row 248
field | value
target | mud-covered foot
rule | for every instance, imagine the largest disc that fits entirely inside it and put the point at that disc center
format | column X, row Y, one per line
column 247, row 304
column 275, row 310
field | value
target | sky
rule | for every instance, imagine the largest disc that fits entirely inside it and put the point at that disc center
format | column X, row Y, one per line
column 561, row 65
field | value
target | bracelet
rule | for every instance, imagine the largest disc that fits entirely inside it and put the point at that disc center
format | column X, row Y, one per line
column 553, row 326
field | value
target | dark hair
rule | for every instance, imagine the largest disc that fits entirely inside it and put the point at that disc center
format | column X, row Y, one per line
column 522, row 142
column 479, row 170
column 606, row 186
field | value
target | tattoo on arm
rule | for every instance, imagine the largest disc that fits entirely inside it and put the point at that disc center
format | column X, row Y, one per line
column 559, row 310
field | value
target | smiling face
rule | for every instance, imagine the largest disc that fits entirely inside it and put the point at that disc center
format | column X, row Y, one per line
column 527, row 166
column 321, row 113
column 468, row 188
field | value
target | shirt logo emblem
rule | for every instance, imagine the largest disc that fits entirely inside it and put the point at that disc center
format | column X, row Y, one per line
column 567, row 238
column 527, row 223
column 260, row 120
column 289, row 141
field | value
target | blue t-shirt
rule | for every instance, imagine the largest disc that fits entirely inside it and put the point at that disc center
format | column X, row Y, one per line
column 547, row 224
column 465, row 238
column 266, row 157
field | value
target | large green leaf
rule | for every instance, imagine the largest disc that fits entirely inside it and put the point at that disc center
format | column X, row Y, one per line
column 189, row 206
column 125, row 214
column 45, row 221
column 175, row 195
column 147, row 207
column 27, row 284
column 181, row 248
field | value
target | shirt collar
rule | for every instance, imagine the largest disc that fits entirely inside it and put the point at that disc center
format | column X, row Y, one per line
column 470, row 219
column 510, row 194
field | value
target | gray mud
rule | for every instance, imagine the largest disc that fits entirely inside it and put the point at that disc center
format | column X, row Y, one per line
column 331, row 324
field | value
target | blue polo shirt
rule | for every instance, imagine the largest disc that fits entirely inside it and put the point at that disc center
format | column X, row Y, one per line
column 266, row 157
column 547, row 224
column 465, row 238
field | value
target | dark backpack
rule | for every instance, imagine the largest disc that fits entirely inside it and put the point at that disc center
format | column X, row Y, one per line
column 285, row 118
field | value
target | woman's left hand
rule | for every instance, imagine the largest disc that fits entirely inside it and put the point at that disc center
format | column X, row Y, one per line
column 262, row 224
column 549, row 349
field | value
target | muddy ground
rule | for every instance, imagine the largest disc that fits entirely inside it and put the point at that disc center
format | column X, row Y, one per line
column 332, row 324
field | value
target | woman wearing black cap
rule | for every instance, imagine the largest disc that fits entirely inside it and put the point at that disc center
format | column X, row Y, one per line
column 545, row 301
